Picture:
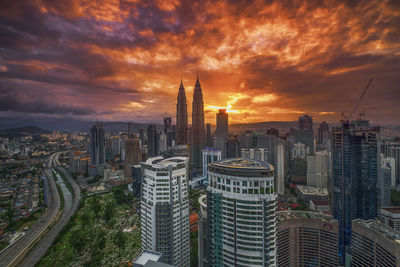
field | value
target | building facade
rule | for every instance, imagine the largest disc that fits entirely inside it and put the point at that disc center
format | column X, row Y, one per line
column 241, row 213
column 97, row 145
column 355, row 177
column 165, row 209
column 181, row 117
column 317, row 169
column 374, row 244
column 133, row 155
column 198, row 132
column 307, row 239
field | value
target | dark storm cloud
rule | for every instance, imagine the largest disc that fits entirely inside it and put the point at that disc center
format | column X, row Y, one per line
column 12, row 103
column 124, row 58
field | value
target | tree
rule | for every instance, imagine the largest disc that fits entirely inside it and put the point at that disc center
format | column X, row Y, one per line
column 120, row 239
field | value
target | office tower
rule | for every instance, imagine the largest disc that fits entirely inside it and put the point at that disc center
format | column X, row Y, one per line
column 390, row 162
column 221, row 132
column 115, row 146
column 384, row 184
column 305, row 122
column 167, row 124
column 165, row 209
column 162, row 142
column 232, row 147
column 142, row 136
column 374, row 244
column 222, row 124
column 153, row 141
column 273, row 131
column 391, row 217
column 260, row 154
column 137, row 179
column 208, row 135
column 181, row 117
column 241, row 213
column 133, row 155
column 268, row 142
column 281, row 166
column 209, row 155
column 130, row 129
column 393, row 151
column 354, row 170
column 197, row 125
column 299, row 150
column 307, row 239
column 97, row 149
column 305, row 136
column 203, row 248
column 317, row 169
column 323, row 132
column 246, row 140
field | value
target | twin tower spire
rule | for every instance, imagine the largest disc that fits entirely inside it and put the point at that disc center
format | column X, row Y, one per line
column 197, row 133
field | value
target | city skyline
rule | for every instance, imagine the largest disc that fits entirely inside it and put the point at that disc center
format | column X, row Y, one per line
column 263, row 62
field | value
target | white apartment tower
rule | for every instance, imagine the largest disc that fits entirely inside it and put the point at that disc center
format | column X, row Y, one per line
column 241, row 214
column 165, row 209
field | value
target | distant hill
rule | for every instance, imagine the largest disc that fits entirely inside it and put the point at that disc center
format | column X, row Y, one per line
column 22, row 131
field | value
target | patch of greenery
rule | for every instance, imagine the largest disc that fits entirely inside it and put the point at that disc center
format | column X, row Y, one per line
column 395, row 197
column 93, row 180
column 95, row 235
column 193, row 249
column 60, row 193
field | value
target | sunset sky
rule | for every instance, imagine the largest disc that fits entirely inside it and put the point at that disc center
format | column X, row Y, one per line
column 264, row 60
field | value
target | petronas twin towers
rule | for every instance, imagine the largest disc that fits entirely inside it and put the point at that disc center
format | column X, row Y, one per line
column 197, row 134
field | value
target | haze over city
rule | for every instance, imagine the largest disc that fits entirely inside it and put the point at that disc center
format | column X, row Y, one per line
column 262, row 60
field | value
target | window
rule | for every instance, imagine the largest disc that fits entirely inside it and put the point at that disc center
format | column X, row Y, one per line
column 244, row 183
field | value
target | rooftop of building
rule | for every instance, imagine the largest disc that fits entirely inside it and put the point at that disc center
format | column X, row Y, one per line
column 394, row 209
column 288, row 215
column 147, row 255
column 319, row 202
column 311, row 190
column 160, row 162
column 381, row 228
column 242, row 163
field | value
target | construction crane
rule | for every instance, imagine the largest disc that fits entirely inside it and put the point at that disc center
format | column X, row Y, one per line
column 358, row 102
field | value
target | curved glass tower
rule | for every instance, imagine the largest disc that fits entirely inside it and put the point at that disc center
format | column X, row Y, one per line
column 241, row 213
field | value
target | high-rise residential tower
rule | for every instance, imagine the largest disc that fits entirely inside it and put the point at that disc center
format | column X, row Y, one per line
column 355, row 178
column 97, row 145
column 208, row 135
column 241, row 214
column 197, row 125
column 165, row 209
column 153, row 141
column 181, row 117
column 323, row 132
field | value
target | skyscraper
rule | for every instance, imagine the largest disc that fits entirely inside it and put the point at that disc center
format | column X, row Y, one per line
column 167, row 124
column 133, row 155
column 153, row 141
column 181, row 117
column 197, row 125
column 232, row 147
column 130, row 129
column 221, row 132
column 323, row 132
column 355, row 164
column 241, row 214
column 208, row 135
column 305, row 122
column 97, row 148
column 168, row 132
column 165, row 209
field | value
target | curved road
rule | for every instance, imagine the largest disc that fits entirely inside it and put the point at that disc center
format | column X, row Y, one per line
column 70, row 207
column 53, row 206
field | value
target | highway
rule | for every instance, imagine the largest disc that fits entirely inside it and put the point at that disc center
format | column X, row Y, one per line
column 8, row 256
column 70, row 207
